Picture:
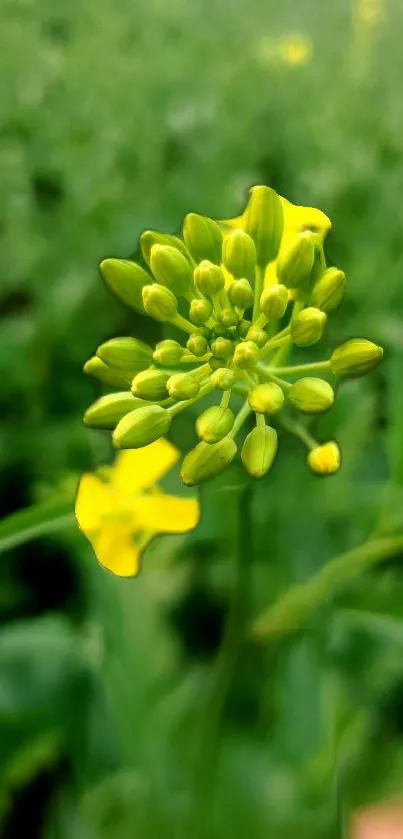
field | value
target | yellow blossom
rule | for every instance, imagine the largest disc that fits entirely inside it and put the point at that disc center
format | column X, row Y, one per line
column 120, row 515
column 295, row 49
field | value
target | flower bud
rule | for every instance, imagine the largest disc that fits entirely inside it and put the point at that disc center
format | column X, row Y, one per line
column 168, row 353
column 241, row 294
column 259, row 450
column 151, row 384
column 244, row 327
column 200, row 311
column 108, row 375
column 307, row 327
column 228, row 317
column 310, row 395
column 222, row 348
column 207, row 460
column 141, row 427
column 258, row 336
column 171, row 268
column 214, row 424
column 264, row 221
column 126, row 280
column 203, row 238
column 222, row 378
column 108, row 410
column 197, row 344
column 246, row 355
column 355, row 358
column 128, row 354
column 182, row 386
column 325, row 459
column 273, row 301
column 328, row 292
column 209, row 278
column 159, row 302
column 266, row 398
column 153, row 237
column 295, row 264
column 239, row 254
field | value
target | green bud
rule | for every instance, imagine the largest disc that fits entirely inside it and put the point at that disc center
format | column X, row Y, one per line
column 214, row 424
column 241, row 294
column 207, row 460
column 108, row 410
column 215, row 363
column 108, row 375
column 159, row 302
column 310, row 395
column 266, row 398
column 274, row 301
column 239, row 254
column 325, row 459
column 329, row 290
column 246, row 355
column 128, row 354
column 171, row 268
column 209, row 278
column 151, row 384
column 258, row 336
column 153, row 237
column 168, row 353
column 259, row 450
column 355, row 358
column 244, row 327
column 200, row 311
column 264, row 221
column 142, row 427
column 197, row 344
column 182, row 386
column 222, row 348
column 126, row 280
column 307, row 327
column 203, row 237
column 223, row 378
column 295, row 265
column 228, row 317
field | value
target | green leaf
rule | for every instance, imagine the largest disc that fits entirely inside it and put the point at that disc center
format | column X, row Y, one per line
column 33, row 522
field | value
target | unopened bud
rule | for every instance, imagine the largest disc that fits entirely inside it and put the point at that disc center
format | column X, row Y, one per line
column 168, row 353
column 294, row 266
column 197, row 344
column 244, row 327
column 151, row 385
column 355, row 358
column 207, row 460
column 214, row 424
column 307, row 327
column 203, row 238
column 258, row 336
column 159, row 302
column 153, row 237
column 209, row 278
column 264, row 221
column 182, row 386
column 325, row 459
column 126, row 280
column 104, row 373
column 239, row 254
column 127, row 353
column 107, row 411
column 171, row 268
column 142, row 427
column 200, row 311
column 259, row 450
column 241, row 294
column 246, row 355
column 310, row 395
column 266, row 398
column 328, row 292
column 223, row 378
column 228, row 317
column 222, row 348
column 273, row 301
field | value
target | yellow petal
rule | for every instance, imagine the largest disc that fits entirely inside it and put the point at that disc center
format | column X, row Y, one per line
column 116, row 551
column 137, row 469
column 298, row 218
column 93, row 501
column 167, row 514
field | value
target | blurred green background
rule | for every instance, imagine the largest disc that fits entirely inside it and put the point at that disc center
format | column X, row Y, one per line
column 116, row 115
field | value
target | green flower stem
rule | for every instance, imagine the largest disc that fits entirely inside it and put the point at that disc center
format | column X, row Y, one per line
column 225, row 399
column 200, row 372
column 189, row 358
column 185, row 403
column 293, row 610
column 240, row 419
column 183, row 324
column 266, row 371
column 215, row 299
column 314, row 367
column 240, row 388
column 260, row 420
column 224, row 299
column 36, row 521
column 280, row 340
column 259, row 282
column 299, row 431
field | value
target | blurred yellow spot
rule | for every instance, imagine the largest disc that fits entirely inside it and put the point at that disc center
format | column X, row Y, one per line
column 295, row 49
column 369, row 12
column 120, row 513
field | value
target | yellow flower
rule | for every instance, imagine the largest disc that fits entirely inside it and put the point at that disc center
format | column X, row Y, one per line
column 120, row 516
column 295, row 49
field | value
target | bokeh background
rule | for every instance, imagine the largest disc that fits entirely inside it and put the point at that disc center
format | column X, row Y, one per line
column 116, row 115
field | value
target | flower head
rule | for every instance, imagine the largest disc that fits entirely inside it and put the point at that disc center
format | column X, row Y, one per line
column 120, row 511
column 244, row 291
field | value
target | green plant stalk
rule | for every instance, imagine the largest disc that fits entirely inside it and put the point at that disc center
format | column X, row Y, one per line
column 314, row 367
column 259, row 282
column 38, row 520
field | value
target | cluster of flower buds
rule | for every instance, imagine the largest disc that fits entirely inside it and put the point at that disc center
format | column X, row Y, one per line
column 244, row 292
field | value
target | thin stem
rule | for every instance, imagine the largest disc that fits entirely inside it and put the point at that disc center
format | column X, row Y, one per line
column 185, row 403
column 215, row 299
column 266, row 371
column 189, row 358
column 260, row 420
column 314, row 367
column 36, row 521
column 299, row 431
column 240, row 419
column 225, row 399
column 181, row 322
column 259, row 281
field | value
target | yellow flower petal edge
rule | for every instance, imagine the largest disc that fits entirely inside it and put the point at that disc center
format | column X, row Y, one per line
column 137, row 469
column 116, row 551
column 93, row 502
